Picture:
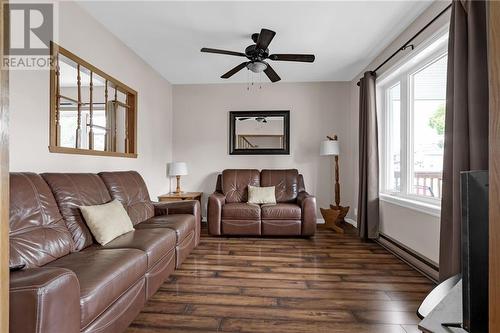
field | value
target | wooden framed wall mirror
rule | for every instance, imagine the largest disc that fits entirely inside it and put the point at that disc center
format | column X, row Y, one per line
column 259, row 132
column 91, row 112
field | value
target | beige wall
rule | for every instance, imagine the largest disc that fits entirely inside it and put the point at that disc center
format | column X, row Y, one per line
column 418, row 231
column 29, row 98
column 200, row 134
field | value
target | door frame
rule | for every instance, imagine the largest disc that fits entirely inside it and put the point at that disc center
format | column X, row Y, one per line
column 4, row 178
column 494, row 167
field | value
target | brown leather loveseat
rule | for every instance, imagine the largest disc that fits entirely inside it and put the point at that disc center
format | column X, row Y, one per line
column 294, row 213
column 72, row 284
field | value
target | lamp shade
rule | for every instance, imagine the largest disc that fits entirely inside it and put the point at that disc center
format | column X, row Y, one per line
column 329, row 147
column 177, row 169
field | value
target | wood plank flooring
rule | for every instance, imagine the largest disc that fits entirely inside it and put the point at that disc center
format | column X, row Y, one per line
column 330, row 283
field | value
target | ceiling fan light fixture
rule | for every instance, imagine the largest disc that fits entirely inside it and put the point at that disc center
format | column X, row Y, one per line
column 257, row 54
column 257, row 66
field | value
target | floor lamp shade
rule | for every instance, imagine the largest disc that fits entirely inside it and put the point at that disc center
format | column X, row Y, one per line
column 329, row 147
column 177, row 169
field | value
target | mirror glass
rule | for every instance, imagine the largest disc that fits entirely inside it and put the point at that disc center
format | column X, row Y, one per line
column 259, row 132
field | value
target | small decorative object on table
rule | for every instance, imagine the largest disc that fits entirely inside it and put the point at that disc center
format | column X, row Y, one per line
column 177, row 169
column 336, row 213
column 181, row 196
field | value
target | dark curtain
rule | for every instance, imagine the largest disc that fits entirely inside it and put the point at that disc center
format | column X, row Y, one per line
column 466, row 123
column 368, row 197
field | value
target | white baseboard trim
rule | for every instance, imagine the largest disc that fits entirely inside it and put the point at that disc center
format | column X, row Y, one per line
column 351, row 222
column 412, row 258
column 348, row 220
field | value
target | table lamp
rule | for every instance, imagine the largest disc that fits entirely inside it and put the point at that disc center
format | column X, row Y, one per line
column 177, row 169
column 336, row 212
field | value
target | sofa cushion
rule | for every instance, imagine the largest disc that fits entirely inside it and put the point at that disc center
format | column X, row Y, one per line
column 155, row 242
column 281, row 211
column 261, row 195
column 38, row 234
column 107, row 221
column 129, row 188
column 104, row 275
column 241, row 227
column 285, row 181
column 72, row 190
column 281, row 227
column 241, row 211
column 236, row 181
column 182, row 224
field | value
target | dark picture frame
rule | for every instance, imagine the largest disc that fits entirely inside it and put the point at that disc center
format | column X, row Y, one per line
column 233, row 115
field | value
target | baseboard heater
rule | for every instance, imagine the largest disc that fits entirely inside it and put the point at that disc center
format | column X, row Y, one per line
column 415, row 260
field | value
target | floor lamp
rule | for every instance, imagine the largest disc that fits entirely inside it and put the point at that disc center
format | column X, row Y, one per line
column 336, row 213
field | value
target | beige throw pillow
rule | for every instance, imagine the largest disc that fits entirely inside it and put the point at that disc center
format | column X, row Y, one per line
column 261, row 195
column 108, row 221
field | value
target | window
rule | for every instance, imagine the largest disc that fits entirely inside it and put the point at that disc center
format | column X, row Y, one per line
column 394, row 138
column 412, row 100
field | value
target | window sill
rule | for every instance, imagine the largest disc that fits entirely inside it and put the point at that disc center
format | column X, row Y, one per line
column 419, row 206
column 66, row 150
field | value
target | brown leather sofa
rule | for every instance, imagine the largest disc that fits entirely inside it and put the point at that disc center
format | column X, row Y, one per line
column 72, row 284
column 294, row 214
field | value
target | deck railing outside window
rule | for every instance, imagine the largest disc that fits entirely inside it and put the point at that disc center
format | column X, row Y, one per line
column 427, row 183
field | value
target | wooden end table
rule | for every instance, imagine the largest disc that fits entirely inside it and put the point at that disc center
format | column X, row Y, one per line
column 181, row 196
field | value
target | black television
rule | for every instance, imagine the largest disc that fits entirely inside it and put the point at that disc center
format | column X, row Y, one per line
column 474, row 194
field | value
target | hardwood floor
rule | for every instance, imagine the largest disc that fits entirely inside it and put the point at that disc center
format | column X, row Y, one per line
column 331, row 283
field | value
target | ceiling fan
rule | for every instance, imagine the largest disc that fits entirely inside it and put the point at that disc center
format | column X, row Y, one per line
column 257, row 119
column 257, row 53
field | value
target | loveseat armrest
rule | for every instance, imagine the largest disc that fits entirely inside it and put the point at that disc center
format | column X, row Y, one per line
column 216, row 202
column 307, row 204
column 181, row 207
column 44, row 299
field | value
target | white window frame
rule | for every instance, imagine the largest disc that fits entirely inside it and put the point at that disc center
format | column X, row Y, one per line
column 402, row 73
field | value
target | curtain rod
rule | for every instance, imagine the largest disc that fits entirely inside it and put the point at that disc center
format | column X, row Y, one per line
column 407, row 44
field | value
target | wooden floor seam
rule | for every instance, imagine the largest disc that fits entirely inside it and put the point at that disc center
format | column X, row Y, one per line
column 329, row 283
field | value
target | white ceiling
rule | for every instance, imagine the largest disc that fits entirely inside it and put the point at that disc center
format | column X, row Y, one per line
column 345, row 36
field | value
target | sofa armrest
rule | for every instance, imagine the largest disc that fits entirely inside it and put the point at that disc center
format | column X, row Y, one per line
column 214, row 212
column 307, row 203
column 177, row 207
column 181, row 207
column 44, row 299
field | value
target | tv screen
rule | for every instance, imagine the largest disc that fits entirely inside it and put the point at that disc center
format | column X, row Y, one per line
column 474, row 185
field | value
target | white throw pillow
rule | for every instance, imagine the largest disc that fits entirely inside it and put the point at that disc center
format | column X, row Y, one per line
column 261, row 195
column 107, row 221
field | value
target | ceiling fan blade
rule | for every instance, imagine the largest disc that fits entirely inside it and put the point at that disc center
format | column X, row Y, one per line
column 293, row 57
column 271, row 74
column 209, row 50
column 265, row 37
column 234, row 71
